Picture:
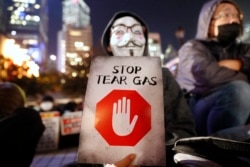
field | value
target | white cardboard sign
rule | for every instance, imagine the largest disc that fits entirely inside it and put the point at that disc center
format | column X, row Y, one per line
column 71, row 123
column 50, row 138
column 123, row 112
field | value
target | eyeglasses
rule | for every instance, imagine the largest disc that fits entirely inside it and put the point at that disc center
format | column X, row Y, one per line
column 227, row 16
column 121, row 29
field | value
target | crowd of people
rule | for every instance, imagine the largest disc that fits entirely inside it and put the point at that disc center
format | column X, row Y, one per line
column 47, row 103
column 208, row 97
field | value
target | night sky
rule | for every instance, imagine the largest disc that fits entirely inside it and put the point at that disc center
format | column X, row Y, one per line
column 163, row 16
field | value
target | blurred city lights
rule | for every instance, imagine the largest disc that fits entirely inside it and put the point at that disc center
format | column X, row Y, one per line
column 20, row 57
column 53, row 57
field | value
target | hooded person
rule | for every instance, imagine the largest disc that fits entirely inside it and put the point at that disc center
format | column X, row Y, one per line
column 20, row 127
column 126, row 34
column 116, row 39
column 214, row 69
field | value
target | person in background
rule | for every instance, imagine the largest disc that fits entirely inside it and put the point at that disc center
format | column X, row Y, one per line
column 72, row 140
column 214, row 69
column 69, row 107
column 126, row 34
column 47, row 104
column 20, row 127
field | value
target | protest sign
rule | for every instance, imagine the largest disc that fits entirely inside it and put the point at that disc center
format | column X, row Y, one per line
column 123, row 111
column 71, row 123
column 50, row 138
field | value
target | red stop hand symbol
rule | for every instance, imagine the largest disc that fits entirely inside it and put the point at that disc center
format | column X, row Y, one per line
column 123, row 117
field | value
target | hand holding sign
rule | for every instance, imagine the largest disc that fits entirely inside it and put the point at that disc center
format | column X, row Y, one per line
column 121, row 118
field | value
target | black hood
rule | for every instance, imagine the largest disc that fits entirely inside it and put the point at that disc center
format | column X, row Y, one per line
column 106, row 33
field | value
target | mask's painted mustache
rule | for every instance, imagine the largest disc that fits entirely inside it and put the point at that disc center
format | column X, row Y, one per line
column 127, row 44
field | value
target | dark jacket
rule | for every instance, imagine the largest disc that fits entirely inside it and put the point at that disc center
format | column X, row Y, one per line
column 178, row 118
column 199, row 71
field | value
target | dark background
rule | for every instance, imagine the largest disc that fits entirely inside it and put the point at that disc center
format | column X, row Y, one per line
column 163, row 16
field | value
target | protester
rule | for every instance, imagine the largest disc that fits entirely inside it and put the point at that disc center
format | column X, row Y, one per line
column 71, row 140
column 214, row 69
column 126, row 35
column 20, row 127
column 69, row 107
column 47, row 104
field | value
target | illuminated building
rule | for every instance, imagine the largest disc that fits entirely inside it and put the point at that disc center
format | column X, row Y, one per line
column 75, row 39
column 23, row 26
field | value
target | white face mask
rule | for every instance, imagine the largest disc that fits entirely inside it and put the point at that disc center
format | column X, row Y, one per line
column 46, row 106
column 127, row 37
